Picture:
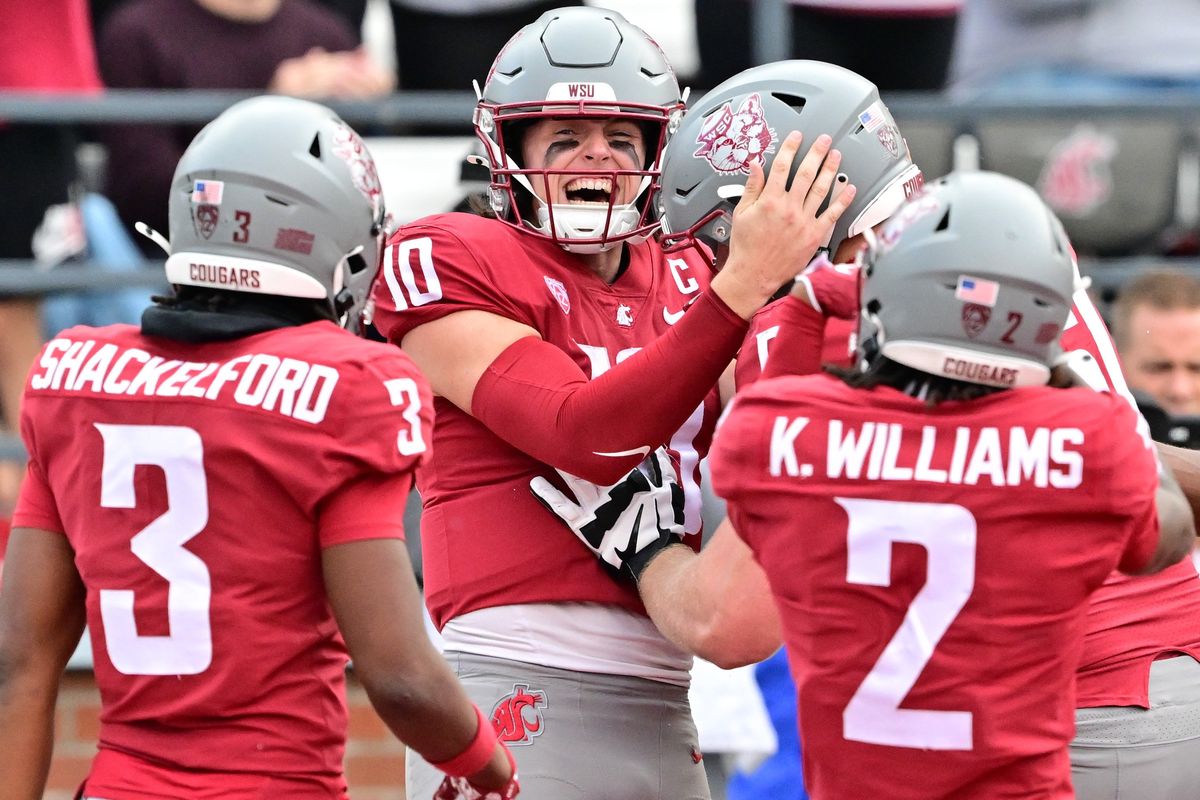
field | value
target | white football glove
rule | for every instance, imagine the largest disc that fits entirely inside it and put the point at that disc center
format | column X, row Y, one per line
column 625, row 525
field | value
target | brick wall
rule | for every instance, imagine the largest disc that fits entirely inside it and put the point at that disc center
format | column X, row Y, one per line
column 374, row 758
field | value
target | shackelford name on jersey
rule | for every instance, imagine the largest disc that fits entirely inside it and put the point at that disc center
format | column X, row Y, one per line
column 876, row 451
column 287, row 386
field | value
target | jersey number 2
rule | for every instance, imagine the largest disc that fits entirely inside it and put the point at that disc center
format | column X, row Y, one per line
column 187, row 650
column 947, row 532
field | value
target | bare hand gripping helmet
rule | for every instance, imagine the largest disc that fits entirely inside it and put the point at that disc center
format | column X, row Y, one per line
column 278, row 196
column 576, row 62
column 971, row 280
column 744, row 119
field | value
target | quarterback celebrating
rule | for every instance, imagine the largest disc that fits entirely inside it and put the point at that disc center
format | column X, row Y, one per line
column 217, row 492
column 556, row 334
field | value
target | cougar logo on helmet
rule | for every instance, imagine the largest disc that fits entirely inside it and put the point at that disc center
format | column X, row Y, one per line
column 517, row 717
column 348, row 147
column 733, row 140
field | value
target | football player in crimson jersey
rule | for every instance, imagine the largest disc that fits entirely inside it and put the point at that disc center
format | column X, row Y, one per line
column 1139, row 713
column 558, row 335
column 900, row 512
column 699, row 194
column 217, row 492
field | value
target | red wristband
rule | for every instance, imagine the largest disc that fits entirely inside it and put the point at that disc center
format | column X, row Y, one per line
column 475, row 755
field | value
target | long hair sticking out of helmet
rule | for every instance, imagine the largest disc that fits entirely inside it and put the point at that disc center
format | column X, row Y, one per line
column 971, row 281
column 742, row 121
column 586, row 63
column 278, row 196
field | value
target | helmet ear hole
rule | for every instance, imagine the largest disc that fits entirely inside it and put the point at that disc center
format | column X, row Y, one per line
column 944, row 222
column 796, row 102
column 314, row 149
column 356, row 263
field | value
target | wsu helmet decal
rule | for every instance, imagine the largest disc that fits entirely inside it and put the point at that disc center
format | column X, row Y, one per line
column 733, row 140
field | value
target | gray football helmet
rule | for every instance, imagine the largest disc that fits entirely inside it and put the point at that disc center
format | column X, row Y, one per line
column 576, row 62
column 278, row 196
column 743, row 120
column 971, row 280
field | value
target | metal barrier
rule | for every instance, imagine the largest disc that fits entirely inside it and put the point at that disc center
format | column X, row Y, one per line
column 410, row 111
column 414, row 109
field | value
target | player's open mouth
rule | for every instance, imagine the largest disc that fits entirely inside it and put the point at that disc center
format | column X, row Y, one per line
column 589, row 191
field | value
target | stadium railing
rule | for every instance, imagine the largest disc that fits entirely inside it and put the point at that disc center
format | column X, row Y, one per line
column 1015, row 136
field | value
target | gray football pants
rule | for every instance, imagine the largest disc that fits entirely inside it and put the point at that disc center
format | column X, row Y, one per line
column 580, row 735
column 1130, row 753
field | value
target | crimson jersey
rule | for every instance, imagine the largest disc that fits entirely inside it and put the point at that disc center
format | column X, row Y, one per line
column 837, row 346
column 480, row 521
column 932, row 569
column 197, row 485
column 1131, row 621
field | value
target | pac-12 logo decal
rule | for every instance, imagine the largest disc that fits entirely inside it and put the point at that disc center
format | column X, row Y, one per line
column 733, row 140
column 975, row 318
column 559, row 292
column 517, row 717
column 206, row 218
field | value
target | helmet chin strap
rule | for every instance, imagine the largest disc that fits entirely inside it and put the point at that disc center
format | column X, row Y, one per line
column 584, row 222
column 624, row 217
column 153, row 235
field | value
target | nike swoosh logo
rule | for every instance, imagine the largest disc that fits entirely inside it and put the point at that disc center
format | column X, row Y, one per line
column 643, row 451
column 672, row 318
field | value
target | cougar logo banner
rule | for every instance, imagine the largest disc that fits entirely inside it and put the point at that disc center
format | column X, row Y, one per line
column 1077, row 176
column 348, row 147
column 206, row 218
column 733, row 140
column 517, row 717
column 560, row 293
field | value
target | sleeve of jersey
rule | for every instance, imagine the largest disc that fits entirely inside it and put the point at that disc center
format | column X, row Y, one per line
column 36, row 507
column 1135, row 466
column 370, row 507
column 786, row 338
column 538, row 400
column 381, row 433
column 428, row 273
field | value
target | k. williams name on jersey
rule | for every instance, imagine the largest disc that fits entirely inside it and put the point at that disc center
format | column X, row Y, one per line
column 877, row 451
column 287, row 386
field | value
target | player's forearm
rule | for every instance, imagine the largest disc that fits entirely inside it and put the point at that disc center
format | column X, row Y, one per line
column 426, row 708
column 1185, row 465
column 716, row 605
column 539, row 401
column 26, row 732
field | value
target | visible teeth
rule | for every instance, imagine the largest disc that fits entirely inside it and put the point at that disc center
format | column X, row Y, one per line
column 600, row 184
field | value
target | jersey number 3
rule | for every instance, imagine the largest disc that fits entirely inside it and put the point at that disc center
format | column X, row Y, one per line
column 947, row 532
column 187, row 650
